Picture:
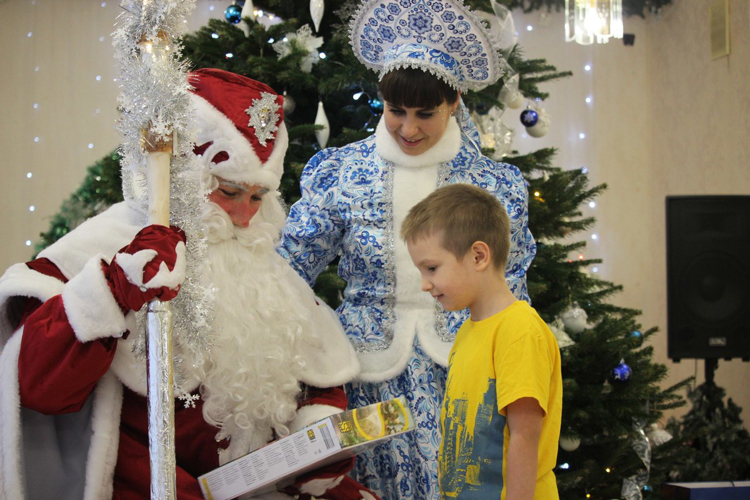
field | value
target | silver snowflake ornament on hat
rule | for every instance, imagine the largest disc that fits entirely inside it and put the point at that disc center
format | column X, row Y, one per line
column 264, row 113
column 442, row 37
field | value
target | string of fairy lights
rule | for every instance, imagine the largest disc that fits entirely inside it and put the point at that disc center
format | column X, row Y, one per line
column 572, row 131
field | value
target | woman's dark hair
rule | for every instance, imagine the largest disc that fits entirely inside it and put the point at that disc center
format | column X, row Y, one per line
column 414, row 88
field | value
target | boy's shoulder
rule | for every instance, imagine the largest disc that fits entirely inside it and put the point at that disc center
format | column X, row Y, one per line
column 519, row 320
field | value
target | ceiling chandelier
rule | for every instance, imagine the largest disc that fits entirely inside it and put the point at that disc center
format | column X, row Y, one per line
column 589, row 21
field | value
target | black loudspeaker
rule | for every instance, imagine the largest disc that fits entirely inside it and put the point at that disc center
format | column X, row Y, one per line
column 708, row 277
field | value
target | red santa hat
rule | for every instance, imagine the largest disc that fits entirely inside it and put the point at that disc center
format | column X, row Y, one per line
column 241, row 133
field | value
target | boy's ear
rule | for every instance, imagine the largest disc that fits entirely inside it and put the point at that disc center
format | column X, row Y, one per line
column 480, row 253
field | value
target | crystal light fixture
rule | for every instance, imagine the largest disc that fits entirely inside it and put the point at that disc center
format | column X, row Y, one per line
column 589, row 21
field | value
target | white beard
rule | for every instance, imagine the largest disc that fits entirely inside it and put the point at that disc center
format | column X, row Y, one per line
column 250, row 377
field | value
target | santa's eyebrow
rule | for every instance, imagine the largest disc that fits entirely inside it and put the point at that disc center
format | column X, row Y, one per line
column 234, row 185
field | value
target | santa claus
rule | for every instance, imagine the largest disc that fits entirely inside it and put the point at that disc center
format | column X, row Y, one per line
column 73, row 408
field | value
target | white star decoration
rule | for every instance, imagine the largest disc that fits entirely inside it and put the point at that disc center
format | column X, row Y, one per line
column 264, row 113
column 189, row 399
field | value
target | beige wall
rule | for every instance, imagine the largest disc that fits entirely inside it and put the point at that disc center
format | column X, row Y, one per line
column 665, row 120
column 676, row 123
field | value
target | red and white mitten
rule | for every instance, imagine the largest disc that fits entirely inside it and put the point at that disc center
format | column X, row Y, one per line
column 152, row 266
column 331, row 483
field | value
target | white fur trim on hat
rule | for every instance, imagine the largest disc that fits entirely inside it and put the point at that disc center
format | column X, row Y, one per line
column 243, row 164
column 92, row 310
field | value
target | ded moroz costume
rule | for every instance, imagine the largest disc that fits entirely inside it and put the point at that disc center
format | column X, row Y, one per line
column 354, row 199
column 73, row 395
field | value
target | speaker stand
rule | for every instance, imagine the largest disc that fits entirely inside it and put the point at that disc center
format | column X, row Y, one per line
column 711, row 364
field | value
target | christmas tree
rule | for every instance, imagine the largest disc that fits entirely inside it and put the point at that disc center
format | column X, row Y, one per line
column 715, row 436
column 611, row 385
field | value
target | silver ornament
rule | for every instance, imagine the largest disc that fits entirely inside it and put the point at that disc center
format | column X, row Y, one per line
column 570, row 444
column 574, row 319
column 289, row 104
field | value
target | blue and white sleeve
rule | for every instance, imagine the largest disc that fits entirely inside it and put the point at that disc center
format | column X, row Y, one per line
column 313, row 231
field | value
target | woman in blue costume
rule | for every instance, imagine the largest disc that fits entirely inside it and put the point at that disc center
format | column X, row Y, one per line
column 355, row 198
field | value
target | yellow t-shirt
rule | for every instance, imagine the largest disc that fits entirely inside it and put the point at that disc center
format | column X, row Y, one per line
column 494, row 362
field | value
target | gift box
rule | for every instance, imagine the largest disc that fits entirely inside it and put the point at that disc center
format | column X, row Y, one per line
column 330, row 440
column 715, row 490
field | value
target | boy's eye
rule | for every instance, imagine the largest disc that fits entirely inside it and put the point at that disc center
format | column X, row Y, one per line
column 432, row 268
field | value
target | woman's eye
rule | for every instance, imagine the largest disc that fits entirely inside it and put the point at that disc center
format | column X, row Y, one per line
column 425, row 115
column 398, row 112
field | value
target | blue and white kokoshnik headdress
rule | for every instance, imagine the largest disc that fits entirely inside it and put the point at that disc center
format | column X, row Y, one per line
column 442, row 37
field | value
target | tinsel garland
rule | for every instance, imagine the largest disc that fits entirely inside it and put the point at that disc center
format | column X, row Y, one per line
column 155, row 97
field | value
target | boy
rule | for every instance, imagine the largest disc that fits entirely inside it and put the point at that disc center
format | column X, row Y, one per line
column 503, row 401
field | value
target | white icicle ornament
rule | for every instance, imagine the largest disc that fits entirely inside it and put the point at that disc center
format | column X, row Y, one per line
column 316, row 11
column 321, row 119
column 247, row 11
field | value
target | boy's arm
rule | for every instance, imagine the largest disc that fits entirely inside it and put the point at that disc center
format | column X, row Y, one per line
column 524, row 426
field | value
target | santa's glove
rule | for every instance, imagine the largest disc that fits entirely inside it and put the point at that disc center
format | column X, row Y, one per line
column 331, row 483
column 151, row 267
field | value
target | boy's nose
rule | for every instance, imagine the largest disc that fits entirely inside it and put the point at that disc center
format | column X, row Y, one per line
column 426, row 286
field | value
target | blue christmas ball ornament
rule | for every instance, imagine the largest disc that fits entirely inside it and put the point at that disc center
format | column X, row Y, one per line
column 622, row 372
column 529, row 118
column 482, row 107
column 637, row 335
column 376, row 105
column 233, row 14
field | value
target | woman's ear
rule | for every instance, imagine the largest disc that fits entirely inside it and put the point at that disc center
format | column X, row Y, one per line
column 480, row 252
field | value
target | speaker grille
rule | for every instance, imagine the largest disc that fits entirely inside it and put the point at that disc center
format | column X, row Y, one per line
column 708, row 276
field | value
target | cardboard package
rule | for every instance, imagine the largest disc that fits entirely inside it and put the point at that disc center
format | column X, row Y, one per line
column 330, row 440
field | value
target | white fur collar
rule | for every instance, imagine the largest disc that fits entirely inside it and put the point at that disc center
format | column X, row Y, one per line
column 445, row 150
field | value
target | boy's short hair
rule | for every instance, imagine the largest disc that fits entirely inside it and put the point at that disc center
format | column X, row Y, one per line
column 464, row 214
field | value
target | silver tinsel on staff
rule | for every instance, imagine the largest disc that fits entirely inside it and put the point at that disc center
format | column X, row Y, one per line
column 155, row 122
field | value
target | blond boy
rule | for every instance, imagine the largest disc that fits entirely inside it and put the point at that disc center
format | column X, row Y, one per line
column 501, row 415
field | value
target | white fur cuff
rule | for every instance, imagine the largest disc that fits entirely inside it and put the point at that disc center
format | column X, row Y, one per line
column 308, row 415
column 92, row 310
